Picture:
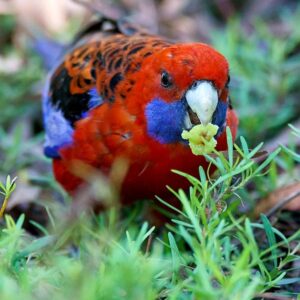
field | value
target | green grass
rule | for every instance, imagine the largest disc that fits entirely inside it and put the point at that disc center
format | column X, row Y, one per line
column 208, row 251
column 212, row 248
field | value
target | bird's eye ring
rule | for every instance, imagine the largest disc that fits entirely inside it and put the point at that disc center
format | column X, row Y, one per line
column 166, row 79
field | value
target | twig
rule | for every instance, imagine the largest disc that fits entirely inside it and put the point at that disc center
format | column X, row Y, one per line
column 274, row 296
column 282, row 203
column 149, row 242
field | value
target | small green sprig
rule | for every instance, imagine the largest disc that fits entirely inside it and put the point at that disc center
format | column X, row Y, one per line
column 6, row 191
column 293, row 153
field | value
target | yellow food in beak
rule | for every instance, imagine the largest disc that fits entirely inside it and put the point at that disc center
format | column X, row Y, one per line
column 201, row 138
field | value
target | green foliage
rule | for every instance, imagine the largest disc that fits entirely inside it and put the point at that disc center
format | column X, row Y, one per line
column 18, row 96
column 291, row 152
column 7, row 24
column 208, row 252
column 264, row 70
column 6, row 191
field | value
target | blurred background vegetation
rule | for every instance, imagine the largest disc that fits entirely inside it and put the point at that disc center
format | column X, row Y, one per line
column 261, row 40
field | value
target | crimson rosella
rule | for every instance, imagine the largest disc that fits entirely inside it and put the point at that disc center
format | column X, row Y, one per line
column 119, row 92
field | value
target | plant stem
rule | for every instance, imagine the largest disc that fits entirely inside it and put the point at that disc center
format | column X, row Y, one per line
column 4, row 204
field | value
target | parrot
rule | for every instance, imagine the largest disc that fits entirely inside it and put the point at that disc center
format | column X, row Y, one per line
column 119, row 92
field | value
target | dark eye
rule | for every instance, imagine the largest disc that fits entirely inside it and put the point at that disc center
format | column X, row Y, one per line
column 166, row 79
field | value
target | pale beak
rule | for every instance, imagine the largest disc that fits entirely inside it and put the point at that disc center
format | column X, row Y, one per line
column 202, row 99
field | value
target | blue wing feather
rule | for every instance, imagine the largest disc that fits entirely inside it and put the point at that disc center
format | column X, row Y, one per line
column 59, row 130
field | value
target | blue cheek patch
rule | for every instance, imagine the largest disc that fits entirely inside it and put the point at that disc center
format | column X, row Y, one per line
column 165, row 120
column 219, row 116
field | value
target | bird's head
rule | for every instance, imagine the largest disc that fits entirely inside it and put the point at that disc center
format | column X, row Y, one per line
column 182, row 86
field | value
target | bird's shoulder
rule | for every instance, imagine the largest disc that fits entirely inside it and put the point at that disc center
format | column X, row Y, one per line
column 90, row 74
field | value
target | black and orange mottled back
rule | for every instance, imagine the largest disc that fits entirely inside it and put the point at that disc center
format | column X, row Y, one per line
column 98, row 61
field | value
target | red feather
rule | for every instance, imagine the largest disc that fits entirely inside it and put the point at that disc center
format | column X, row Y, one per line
column 125, row 71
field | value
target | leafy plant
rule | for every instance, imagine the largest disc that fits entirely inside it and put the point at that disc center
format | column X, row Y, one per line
column 293, row 153
column 6, row 191
column 207, row 251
